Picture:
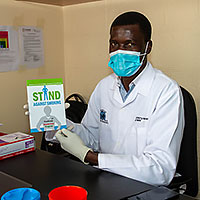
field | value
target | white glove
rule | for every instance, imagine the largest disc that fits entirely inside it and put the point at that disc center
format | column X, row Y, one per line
column 25, row 107
column 72, row 143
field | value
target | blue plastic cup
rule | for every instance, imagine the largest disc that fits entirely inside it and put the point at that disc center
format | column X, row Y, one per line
column 21, row 194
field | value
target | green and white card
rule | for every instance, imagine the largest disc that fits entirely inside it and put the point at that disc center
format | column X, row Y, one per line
column 46, row 104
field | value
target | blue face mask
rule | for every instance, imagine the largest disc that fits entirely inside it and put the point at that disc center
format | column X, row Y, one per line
column 126, row 63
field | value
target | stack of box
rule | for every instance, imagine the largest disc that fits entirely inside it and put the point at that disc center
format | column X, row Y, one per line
column 15, row 144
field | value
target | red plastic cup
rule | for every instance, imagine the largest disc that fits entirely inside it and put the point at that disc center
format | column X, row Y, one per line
column 68, row 193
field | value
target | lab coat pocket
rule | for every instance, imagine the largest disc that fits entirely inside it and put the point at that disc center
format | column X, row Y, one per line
column 141, row 132
column 105, row 138
column 142, row 139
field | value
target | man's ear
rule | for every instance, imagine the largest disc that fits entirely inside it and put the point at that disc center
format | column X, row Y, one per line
column 149, row 47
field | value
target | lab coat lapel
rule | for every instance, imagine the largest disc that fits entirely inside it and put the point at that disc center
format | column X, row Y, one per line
column 132, row 96
column 115, row 88
column 118, row 98
column 117, row 95
column 142, row 84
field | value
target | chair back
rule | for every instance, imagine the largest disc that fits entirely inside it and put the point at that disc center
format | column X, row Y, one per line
column 187, row 165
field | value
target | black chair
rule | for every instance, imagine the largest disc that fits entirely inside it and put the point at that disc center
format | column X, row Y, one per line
column 187, row 164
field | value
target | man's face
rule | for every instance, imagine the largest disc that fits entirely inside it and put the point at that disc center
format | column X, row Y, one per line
column 127, row 37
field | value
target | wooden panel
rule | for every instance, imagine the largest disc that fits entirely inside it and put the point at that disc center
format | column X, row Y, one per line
column 60, row 2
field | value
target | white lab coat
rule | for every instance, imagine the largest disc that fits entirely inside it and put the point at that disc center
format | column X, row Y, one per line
column 139, row 138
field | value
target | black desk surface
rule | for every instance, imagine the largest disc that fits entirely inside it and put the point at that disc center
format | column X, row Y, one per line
column 46, row 171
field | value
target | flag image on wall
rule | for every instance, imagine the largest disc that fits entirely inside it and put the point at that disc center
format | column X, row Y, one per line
column 46, row 104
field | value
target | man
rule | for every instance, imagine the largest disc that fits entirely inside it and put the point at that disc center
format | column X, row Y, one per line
column 135, row 118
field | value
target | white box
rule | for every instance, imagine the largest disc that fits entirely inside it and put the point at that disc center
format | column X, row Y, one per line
column 15, row 144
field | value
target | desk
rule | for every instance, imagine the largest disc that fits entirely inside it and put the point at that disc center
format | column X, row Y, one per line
column 46, row 171
column 185, row 197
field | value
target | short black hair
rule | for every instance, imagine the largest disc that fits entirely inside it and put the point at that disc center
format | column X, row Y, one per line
column 132, row 18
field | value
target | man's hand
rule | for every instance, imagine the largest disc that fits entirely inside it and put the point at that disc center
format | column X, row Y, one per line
column 73, row 144
column 26, row 112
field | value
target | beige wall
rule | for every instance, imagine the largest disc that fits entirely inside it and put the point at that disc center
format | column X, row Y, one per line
column 13, row 84
column 175, row 38
column 176, row 41
column 86, row 37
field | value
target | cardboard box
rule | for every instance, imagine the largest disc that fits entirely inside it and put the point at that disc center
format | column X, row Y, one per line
column 15, row 144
